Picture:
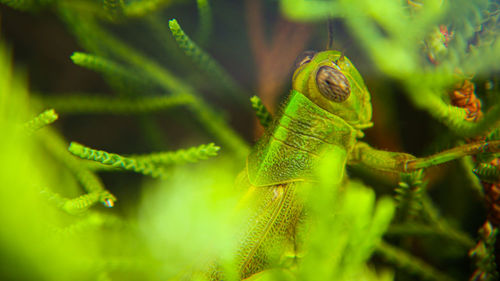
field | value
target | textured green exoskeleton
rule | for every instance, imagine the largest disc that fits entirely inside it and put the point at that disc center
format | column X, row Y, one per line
column 326, row 111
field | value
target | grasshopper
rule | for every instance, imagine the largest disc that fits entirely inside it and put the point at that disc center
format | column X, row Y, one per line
column 327, row 110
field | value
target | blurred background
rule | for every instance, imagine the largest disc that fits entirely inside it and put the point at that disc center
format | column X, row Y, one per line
column 252, row 40
column 256, row 43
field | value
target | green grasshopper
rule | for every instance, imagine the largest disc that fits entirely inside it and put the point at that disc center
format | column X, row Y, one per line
column 327, row 110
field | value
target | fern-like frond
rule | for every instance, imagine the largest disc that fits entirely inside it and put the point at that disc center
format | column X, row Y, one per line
column 204, row 61
column 409, row 194
column 88, row 179
column 80, row 203
column 454, row 117
column 115, row 160
column 193, row 154
column 487, row 172
column 205, row 23
column 98, row 64
column 99, row 167
column 97, row 104
column 119, row 76
column 468, row 166
column 484, row 254
column 494, row 135
column 399, row 30
column 158, row 27
column 149, row 164
column 204, row 113
column 163, row 77
column 43, row 119
column 261, row 112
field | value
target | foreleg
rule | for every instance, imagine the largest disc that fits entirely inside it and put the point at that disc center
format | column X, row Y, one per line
column 398, row 162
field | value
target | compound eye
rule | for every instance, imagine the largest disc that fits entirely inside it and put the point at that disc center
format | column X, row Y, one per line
column 304, row 58
column 332, row 84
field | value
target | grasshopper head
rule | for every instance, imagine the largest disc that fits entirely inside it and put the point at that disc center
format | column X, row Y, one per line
column 331, row 81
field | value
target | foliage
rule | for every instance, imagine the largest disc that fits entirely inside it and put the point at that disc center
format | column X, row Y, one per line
column 261, row 112
column 387, row 27
column 53, row 227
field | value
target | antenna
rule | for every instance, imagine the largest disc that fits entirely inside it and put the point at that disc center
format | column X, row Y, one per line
column 329, row 45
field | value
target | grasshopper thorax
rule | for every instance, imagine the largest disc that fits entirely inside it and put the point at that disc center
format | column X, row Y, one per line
column 331, row 81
